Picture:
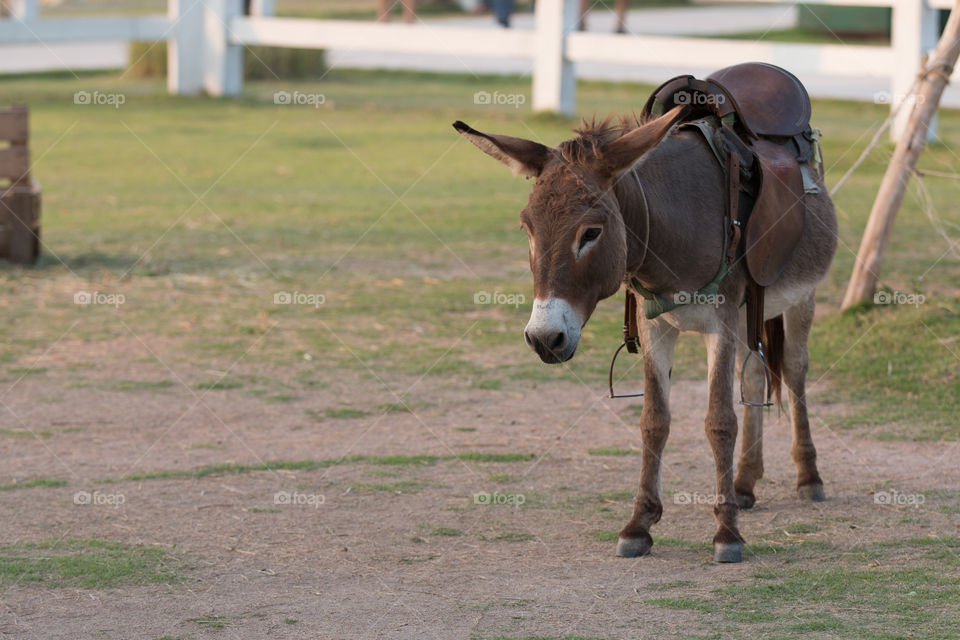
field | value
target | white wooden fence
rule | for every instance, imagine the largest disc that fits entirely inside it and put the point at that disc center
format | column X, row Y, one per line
column 206, row 40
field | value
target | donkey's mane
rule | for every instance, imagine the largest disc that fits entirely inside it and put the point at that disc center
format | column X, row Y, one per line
column 592, row 135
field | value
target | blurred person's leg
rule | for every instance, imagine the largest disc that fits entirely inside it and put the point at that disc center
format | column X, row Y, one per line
column 483, row 7
column 622, row 6
column 503, row 9
column 409, row 10
column 584, row 7
column 383, row 10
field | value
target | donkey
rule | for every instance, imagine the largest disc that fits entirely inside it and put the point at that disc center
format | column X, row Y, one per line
column 646, row 200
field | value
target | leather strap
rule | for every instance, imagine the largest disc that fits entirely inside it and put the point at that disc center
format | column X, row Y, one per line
column 754, row 314
column 733, row 205
column 631, row 332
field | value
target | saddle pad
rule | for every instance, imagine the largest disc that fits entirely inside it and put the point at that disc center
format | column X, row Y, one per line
column 771, row 101
column 776, row 223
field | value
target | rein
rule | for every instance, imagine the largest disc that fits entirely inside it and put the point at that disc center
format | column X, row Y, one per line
column 631, row 332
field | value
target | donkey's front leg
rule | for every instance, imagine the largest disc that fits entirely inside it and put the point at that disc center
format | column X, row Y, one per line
column 721, row 427
column 657, row 339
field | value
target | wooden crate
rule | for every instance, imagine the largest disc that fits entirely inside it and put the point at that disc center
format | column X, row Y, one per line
column 19, row 191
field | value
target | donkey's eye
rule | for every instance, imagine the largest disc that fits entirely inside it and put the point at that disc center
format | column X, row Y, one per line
column 588, row 237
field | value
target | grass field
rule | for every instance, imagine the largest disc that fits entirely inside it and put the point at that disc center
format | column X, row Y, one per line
column 383, row 225
column 373, row 203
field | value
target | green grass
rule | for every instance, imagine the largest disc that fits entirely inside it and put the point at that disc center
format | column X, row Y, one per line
column 314, row 204
column 87, row 564
column 418, row 560
column 25, row 434
column 33, row 482
column 514, row 536
column 220, row 384
column 139, row 385
column 345, row 413
column 804, row 36
column 614, row 451
column 399, row 487
column 27, row 371
column 447, row 532
column 605, row 536
column 310, row 465
column 921, row 595
column 209, row 621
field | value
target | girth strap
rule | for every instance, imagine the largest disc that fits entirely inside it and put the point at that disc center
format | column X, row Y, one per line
column 728, row 155
column 754, row 302
column 631, row 331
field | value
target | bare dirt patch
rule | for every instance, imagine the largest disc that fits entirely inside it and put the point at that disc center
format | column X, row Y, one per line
column 401, row 548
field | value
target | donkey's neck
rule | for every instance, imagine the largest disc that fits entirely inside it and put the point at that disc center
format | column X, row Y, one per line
column 635, row 210
column 672, row 206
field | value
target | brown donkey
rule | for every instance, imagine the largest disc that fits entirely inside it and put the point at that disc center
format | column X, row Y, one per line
column 625, row 201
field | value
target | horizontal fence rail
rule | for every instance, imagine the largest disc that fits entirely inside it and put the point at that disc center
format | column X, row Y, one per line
column 206, row 40
column 828, row 59
column 348, row 35
column 150, row 28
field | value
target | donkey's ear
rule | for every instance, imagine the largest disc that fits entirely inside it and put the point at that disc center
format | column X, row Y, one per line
column 524, row 157
column 622, row 153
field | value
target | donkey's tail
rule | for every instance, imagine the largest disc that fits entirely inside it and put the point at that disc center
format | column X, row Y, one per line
column 773, row 339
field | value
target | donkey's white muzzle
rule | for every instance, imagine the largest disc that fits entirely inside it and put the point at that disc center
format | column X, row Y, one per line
column 554, row 330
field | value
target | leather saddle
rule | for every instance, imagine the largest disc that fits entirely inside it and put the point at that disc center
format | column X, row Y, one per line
column 756, row 119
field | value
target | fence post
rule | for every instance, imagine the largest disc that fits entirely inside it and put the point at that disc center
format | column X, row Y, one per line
column 222, row 61
column 554, row 86
column 185, row 47
column 913, row 32
column 262, row 8
column 23, row 10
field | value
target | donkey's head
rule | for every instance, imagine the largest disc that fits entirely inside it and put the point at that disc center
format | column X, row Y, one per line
column 578, row 241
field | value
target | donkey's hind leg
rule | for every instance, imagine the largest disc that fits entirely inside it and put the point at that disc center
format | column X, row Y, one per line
column 657, row 339
column 721, row 428
column 750, row 466
column 797, row 321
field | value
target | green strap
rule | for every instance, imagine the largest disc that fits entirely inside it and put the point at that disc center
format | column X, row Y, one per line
column 815, row 135
column 655, row 304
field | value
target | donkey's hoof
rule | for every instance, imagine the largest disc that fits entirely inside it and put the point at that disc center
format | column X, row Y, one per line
column 812, row 492
column 745, row 500
column 728, row 552
column 633, row 547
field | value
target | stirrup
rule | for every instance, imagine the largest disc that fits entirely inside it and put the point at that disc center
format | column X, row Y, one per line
column 610, row 377
column 766, row 375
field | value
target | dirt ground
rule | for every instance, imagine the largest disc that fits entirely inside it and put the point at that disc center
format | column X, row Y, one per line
column 404, row 550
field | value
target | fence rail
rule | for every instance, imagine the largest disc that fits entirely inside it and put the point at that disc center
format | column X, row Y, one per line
column 207, row 37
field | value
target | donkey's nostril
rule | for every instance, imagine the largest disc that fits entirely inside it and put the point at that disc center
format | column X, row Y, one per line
column 558, row 341
column 527, row 338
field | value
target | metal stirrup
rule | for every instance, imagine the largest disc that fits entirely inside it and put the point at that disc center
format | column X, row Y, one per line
column 766, row 375
column 613, row 361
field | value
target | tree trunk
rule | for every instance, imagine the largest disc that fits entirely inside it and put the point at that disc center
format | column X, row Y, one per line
column 863, row 281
